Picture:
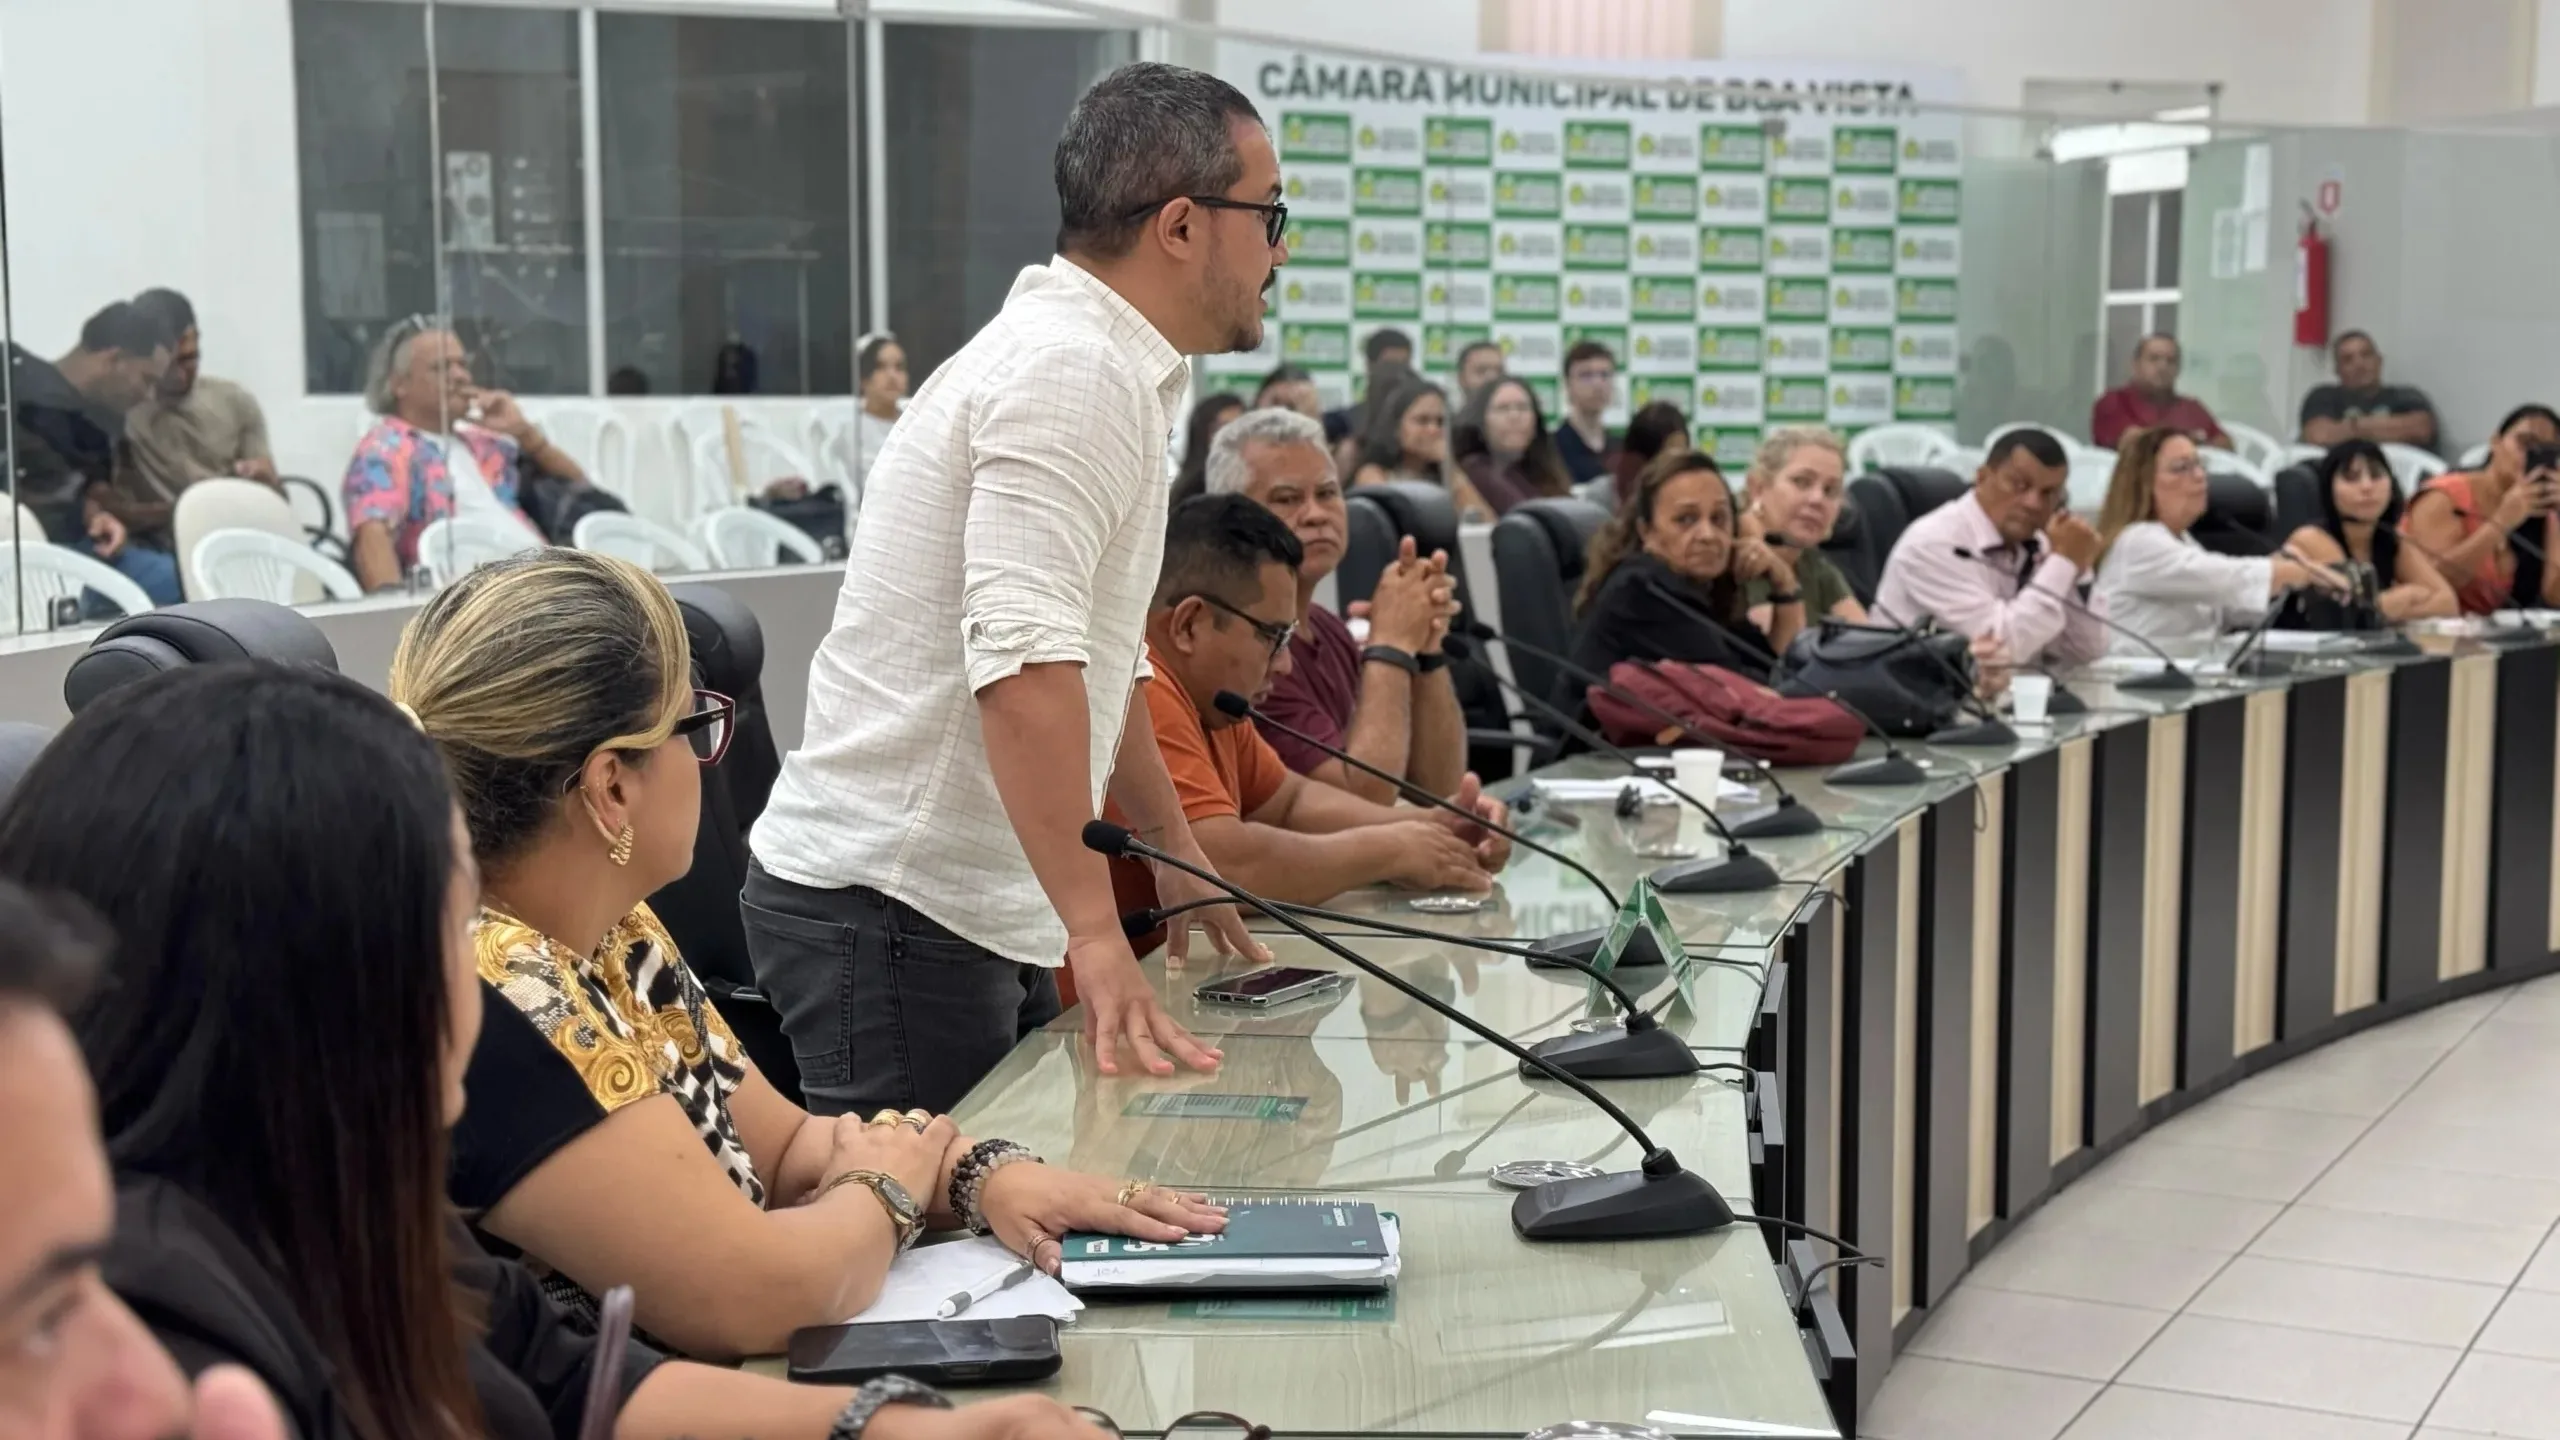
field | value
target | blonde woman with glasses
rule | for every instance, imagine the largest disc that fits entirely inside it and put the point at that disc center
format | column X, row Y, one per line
column 623, row 1136
column 2154, row 579
column 1794, row 493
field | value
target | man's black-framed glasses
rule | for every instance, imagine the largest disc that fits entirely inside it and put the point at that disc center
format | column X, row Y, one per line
column 1274, row 213
column 1198, row 1425
column 1275, row 636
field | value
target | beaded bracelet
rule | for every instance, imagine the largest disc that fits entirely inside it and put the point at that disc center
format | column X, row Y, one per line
column 969, row 1178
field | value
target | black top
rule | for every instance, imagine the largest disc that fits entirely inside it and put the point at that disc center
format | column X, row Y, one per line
column 1579, row 458
column 211, row 1302
column 1629, row 620
column 64, row 445
column 545, row 1106
column 2337, row 402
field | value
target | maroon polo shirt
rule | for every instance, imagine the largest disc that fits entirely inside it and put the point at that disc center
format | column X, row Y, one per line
column 1321, row 691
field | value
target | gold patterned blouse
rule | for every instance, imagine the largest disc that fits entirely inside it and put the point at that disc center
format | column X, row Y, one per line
column 631, row 1019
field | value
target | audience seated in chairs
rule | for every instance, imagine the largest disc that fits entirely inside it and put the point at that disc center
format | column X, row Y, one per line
column 195, row 426
column 444, row 447
column 558, row 686
column 2153, row 577
column 1657, row 427
column 1677, row 538
column 1391, row 702
column 2360, row 521
column 1407, row 438
column 1224, row 611
column 2006, row 563
column 2469, row 522
column 1792, row 502
column 2150, row 401
column 279, row 853
column 74, row 470
column 880, row 378
column 1502, row 446
column 2358, row 406
column 1480, row 363
column 1583, row 440
column 1290, row 387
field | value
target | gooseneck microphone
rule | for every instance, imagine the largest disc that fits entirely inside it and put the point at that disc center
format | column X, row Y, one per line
column 1790, row 818
column 2510, row 635
column 1582, row 944
column 1738, row 871
column 1660, row 1199
column 1639, row 1049
column 1891, row 768
column 2170, row 676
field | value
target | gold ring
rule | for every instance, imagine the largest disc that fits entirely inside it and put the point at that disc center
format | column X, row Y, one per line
column 918, row 1119
column 885, row 1117
column 1131, row 1190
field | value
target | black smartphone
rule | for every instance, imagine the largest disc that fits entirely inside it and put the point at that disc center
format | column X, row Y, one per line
column 2541, row 457
column 1270, row 985
column 937, row 1352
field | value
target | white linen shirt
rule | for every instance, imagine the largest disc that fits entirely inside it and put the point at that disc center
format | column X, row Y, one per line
column 2176, row 593
column 1015, row 517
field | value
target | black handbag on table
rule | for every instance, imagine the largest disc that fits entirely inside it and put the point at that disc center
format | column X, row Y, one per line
column 1910, row 683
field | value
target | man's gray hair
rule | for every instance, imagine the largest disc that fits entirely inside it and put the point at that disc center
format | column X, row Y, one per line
column 1228, row 472
column 389, row 359
column 1144, row 134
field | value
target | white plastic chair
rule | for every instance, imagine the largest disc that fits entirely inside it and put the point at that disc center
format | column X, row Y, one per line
column 51, row 572
column 2411, row 466
column 2299, row 453
column 256, row 565
column 820, row 437
column 2218, row 461
column 600, row 440
column 768, row 458
column 2474, row 458
column 451, row 546
column 644, row 543
column 1900, row 443
column 2092, row 471
column 741, row 537
column 2256, row 446
column 219, row 503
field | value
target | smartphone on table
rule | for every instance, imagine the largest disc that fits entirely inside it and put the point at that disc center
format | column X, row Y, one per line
column 936, row 1352
column 1270, row 985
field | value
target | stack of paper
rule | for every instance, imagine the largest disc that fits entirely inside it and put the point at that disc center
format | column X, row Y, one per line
column 1607, row 791
column 925, row 1277
column 1268, row 1245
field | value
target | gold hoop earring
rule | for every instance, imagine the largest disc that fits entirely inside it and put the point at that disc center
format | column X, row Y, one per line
column 621, row 851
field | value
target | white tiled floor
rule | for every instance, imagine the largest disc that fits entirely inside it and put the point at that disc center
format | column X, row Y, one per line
column 2359, row 1245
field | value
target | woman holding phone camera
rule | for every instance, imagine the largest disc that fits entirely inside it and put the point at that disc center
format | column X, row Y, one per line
column 2360, row 515
column 2469, row 524
column 280, row 1047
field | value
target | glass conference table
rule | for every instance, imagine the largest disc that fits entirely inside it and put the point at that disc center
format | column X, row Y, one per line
column 1368, row 1093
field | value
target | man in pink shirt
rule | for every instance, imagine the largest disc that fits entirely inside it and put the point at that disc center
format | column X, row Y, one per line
column 2007, row 562
column 2151, row 399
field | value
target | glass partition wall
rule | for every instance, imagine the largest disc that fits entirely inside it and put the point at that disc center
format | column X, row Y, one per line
column 707, row 250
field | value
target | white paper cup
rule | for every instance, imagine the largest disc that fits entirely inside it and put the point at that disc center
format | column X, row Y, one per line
column 2029, row 695
column 1698, row 771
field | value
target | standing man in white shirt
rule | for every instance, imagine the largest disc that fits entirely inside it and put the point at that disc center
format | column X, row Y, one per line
column 920, row 871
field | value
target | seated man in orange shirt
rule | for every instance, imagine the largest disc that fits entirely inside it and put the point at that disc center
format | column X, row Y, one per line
column 1225, row 604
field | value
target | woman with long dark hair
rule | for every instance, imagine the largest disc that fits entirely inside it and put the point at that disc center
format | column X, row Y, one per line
column 1504, row 449
column 1656, row 427
column 2360, row 520
column 279, row 1049
column 1669, row 555
column 2491, row 530
column 1406, row 437
column 1207, row 418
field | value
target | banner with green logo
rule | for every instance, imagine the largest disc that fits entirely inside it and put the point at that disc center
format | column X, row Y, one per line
column 1785, row 253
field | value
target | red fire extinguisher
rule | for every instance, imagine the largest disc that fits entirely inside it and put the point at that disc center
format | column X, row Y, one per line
column 2311, row 284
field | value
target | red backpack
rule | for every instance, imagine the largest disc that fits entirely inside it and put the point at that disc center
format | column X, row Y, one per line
column 1744, row 716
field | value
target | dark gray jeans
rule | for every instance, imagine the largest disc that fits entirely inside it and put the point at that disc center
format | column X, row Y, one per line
column 884, row 1008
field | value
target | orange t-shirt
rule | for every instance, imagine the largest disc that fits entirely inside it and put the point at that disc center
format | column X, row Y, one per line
column 1230, row 772
column 2491, row 586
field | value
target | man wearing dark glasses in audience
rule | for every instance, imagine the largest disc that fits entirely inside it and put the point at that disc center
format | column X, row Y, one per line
column 1225, row 608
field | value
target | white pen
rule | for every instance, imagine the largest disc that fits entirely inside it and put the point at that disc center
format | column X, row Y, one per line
column 993, row 1285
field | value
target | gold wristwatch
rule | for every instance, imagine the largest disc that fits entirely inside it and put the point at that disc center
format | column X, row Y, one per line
column 904, row 1214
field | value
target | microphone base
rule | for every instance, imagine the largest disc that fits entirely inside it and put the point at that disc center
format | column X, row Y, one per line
column 2171, row 678
column 1628, row 1206
column 2511, row 639
column 1981, row 732
column 1790, row 818
column 2391, row 644
column 1653, row 1053
column 2065, row 703
column 1891, row 768
column 2265, row 667
column 1732, row 875
column 1584, row 945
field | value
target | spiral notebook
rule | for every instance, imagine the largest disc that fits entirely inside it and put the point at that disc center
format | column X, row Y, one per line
column 1308, row 1243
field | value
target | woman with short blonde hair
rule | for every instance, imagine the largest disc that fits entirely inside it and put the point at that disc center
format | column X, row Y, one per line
column 636, row 1142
